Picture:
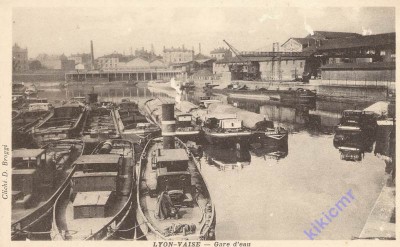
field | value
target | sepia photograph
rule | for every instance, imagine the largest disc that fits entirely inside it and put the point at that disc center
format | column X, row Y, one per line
column 217, row 122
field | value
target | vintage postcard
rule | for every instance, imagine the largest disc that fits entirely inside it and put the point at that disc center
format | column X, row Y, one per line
column 188, row 123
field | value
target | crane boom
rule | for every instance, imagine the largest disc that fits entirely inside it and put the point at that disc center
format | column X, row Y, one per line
column 234, row 50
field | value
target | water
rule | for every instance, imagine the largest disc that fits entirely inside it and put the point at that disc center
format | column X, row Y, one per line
column 277, row 192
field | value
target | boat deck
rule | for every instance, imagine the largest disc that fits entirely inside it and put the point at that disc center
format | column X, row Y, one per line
column 187, row 215
column 79, row 229
column 63, row 156
column 100, row 122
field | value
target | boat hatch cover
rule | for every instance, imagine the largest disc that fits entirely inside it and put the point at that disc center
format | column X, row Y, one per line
column 172, row 155
column 27, row 153
column 98, row 159
column 97, row 198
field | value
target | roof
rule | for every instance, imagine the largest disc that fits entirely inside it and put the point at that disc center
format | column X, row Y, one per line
column 200, row 56
column 173, row 155
column 91, row 198
column 98, row 159
column 27, row 153
column 201, row 61
column 179, row 49
column 219, row 50
column 360, row 41
column 302, row 41
column 333, row 35
column 360, row 66
column 266, row 56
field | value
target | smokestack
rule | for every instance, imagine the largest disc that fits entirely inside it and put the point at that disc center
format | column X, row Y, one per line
column 168, row 125
column 199, row 48
column 92, row 53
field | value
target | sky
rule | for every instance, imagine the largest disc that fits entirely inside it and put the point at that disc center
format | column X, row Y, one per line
column 69, row 30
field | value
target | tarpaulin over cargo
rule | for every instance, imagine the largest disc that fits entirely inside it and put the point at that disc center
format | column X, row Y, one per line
column 380, row 108
column 250, row 119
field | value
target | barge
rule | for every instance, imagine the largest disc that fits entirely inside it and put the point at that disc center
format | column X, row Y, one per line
column 225, row 128
column 64, row 122
column 25, row 121
column 297, row 95
column 173, row 199
column 132, row 121
column 101, row 125
column 100, row 195
column 38, row 177
column 186, row 128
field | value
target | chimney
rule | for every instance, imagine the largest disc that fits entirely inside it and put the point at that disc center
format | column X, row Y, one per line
column 183, row 47
column 92, row 53
column 168, row 125
column 199, row 48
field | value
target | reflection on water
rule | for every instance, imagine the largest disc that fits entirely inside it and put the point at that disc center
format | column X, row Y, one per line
column 110, row 93
column 227, row 158
column 317, row 117
column 276, row 152
column 278, row 188
column 353, row 144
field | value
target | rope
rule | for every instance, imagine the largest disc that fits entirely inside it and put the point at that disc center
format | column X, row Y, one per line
column 144, row 235
column 125, row 239
column 130, row 229
column 38, row 233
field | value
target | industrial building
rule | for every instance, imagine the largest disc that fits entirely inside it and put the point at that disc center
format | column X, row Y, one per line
column 324, row 55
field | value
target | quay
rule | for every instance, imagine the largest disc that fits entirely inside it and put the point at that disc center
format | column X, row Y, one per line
column 137, row 75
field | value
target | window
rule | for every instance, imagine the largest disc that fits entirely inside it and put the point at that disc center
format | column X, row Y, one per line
column 286, row 62
column 383, row 53
column 301, row 64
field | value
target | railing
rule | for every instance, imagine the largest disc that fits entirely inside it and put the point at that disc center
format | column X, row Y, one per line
column 272, row 54
column 211, row 226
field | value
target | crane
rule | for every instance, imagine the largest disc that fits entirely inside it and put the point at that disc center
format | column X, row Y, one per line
column 234, row 50
column 250, row 72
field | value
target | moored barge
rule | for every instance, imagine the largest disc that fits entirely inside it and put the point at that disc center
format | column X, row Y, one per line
column 100, row 195
column 38, row 177
column 132, row 121
column 101, row 125
column 173, row 199
column 186, row 127
column 225, row 128
column 23, row 123
column 64, row 122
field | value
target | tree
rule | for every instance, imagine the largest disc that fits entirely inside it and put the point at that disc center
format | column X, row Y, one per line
column 35, row 65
